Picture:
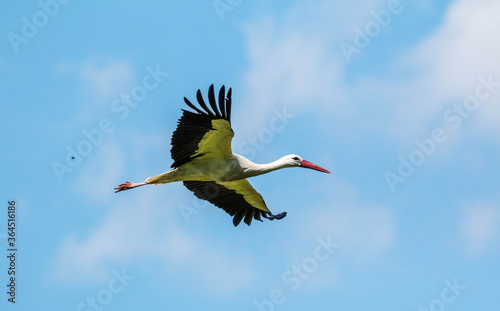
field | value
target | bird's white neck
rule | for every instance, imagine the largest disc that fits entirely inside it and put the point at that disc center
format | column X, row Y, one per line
column 269, row 167
column 255, row 169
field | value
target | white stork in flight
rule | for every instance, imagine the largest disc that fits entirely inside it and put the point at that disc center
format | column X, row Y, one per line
column 205, row 163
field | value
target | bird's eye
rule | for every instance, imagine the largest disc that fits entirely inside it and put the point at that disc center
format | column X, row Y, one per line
column 296, row 158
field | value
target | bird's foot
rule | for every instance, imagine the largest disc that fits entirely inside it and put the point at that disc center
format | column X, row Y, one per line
column 278, row 216
column 128, row 185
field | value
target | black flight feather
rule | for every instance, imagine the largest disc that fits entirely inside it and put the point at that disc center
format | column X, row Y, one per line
column 228, row 106
column 193, row 106
column 211, row 100
column 222, row 93
column 199, row 97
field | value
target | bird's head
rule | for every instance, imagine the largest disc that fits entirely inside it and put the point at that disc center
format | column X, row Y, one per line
column 293, row 160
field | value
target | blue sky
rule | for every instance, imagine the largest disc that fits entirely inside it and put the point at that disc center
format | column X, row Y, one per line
column 399, row 99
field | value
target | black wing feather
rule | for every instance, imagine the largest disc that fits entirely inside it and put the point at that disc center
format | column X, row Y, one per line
column 192, row 127
column 238, row 217
column 199, row 97
column 211, row 100
column 231, row 202
column 249, row 216
column 187, row 136
column 222, row 93
column 228, row 106
column 193, row 106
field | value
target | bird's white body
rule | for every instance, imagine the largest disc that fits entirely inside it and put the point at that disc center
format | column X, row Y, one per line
column 218, row 169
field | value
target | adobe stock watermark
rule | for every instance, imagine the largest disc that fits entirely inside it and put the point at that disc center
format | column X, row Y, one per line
column 188, row 211
column 449, row 294
column 31, row 26
column 363, row 36
column 253, row 144
column 298, row 273
column 120, row 108
column 105, row 296
column 452, row 117
column 223, row 6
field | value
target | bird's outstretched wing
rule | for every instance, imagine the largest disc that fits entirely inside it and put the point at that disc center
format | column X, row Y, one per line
column 207, row 132
column 238, row 198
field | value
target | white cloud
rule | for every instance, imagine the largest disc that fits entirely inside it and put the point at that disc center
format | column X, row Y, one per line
column 112, row 240
column 480, row 229
column 446, row 68
column 463, row 48
column 295, row 61
column 150, row 225
column 295, row 69
column 450, row 61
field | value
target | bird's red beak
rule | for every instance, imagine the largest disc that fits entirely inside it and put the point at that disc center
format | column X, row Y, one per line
column 308, row 164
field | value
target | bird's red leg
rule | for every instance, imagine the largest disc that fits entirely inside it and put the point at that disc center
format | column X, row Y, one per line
column 128, row 185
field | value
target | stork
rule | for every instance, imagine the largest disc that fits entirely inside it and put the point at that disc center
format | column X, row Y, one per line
column 205, row 163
